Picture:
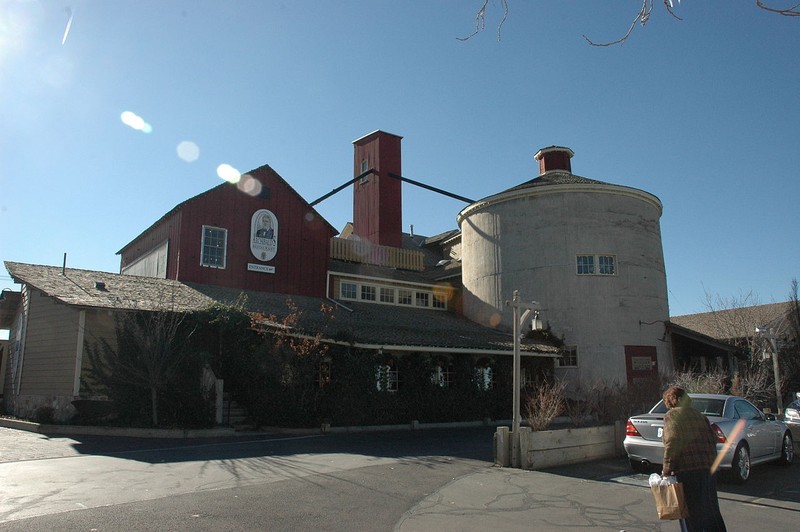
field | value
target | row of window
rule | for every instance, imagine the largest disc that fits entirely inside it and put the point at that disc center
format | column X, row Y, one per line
column 387, row 378
column 391, row 295
column 596, row 265
column 215, row 242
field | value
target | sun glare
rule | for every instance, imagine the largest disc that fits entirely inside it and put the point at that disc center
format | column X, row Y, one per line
column 249, row 185
column 135, row 121
column 188, row 151
column 228, row 173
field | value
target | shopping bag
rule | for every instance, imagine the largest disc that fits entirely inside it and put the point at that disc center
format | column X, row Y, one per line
column 670, row 502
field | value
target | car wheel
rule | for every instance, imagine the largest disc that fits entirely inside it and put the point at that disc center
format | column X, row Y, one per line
column 639, row 466
column 740, row 467
column 787, row 451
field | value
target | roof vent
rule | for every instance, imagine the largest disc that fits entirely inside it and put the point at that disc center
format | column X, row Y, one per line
column 554, row 158
column 99, row 285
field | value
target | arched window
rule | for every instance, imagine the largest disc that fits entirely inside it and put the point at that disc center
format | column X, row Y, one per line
column 442, row 374
column 387, row 378
column 484, row 374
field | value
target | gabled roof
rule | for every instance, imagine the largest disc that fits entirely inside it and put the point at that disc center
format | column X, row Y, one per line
column 261, row 169
column 736, row 323
column 93, row 289
column 362, row 324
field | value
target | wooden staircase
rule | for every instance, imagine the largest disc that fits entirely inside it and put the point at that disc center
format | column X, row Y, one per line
column 234, row 415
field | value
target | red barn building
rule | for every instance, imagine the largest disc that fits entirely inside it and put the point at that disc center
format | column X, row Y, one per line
column 257, row 234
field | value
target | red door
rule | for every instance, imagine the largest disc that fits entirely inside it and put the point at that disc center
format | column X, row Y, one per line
column 641, row 363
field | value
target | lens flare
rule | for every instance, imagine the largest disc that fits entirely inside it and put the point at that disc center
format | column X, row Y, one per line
column 249, row 185
column 188, row 151
column 228, row 173
column 135, row 121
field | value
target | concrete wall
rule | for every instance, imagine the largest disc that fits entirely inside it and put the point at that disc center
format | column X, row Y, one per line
column 528, row 240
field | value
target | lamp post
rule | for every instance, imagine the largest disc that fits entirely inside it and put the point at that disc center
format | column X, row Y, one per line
column 770, row 336
column 518, row 324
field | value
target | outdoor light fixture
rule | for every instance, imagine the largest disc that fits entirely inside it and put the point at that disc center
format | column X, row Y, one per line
column 518, row 325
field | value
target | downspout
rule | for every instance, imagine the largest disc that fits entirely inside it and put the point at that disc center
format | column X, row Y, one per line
column 76, row 385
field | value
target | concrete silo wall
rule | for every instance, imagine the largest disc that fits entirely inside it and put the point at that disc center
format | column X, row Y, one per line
column 529, row 239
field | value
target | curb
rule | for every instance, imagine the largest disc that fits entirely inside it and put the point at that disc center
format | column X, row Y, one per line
column 130, row 432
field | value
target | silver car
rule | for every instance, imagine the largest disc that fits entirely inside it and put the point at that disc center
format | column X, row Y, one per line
column 763, row 438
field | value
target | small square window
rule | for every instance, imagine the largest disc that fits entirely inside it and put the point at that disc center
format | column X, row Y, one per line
column 438, row 301
column 348, row 290
column 423, row 299
column 606, row 265
column 569, row 357
column 585, row 264
column 404, row 297
column 387, row 295
column 368, row 292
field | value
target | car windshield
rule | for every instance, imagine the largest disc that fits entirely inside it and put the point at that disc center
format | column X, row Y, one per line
column 707, row 406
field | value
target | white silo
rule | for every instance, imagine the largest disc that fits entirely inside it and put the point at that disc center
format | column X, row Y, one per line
column 589, row 252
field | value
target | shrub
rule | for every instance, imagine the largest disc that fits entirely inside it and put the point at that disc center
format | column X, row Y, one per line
column 545, row 403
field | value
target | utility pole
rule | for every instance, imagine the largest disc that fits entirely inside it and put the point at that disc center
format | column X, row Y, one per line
column 518, row 325
column 770, row 336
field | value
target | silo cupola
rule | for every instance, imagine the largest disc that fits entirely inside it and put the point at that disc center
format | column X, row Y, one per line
column 554, row 158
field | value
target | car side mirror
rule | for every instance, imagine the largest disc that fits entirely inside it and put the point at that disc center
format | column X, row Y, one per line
column 770, row 417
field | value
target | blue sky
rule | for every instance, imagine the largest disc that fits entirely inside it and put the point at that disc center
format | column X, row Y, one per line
column 700, row 112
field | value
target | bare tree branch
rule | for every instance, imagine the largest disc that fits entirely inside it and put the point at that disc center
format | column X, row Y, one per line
column 643, row 17
column 793, row 11
column 480, row 20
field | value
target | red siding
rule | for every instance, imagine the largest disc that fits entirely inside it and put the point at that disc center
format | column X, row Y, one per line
column 377, row 202
column 302, row 256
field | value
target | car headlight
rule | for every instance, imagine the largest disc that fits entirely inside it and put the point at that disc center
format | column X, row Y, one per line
column 792, row 412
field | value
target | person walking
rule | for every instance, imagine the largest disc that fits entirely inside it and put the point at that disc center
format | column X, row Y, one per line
column 689, row 451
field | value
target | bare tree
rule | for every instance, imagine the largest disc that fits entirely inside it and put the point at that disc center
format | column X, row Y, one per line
column 642, row 17
column 148, row 353
column 735, row 319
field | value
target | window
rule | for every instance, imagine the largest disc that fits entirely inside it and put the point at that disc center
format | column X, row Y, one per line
column 348, row 290
column 404, row 297
column 423, row 299
column 324, row 372
column 364, row 168
column 484, row 378
column 585, row 264
column 213, row 247
column 606, row 265
column 386, row 378
column 387, row 295
column 569, row 357
column 368, row 292
column 354, row 290
column 442, row 375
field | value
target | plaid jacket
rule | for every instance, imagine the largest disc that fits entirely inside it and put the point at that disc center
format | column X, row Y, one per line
column 689, row 441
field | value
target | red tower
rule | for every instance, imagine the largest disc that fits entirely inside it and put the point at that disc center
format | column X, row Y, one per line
column 377, row 200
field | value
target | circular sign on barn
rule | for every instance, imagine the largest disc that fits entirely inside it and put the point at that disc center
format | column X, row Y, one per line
column 264, row 235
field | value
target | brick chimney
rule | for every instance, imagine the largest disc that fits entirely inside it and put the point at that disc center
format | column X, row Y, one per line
column 554, row 158
column 377, row 199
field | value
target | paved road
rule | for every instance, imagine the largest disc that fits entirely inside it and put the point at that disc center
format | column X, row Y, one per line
column 407, row 481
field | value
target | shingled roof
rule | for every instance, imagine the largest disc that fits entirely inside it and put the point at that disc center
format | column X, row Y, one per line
column 736, row 323
column 363, row 324
column 94, row 289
